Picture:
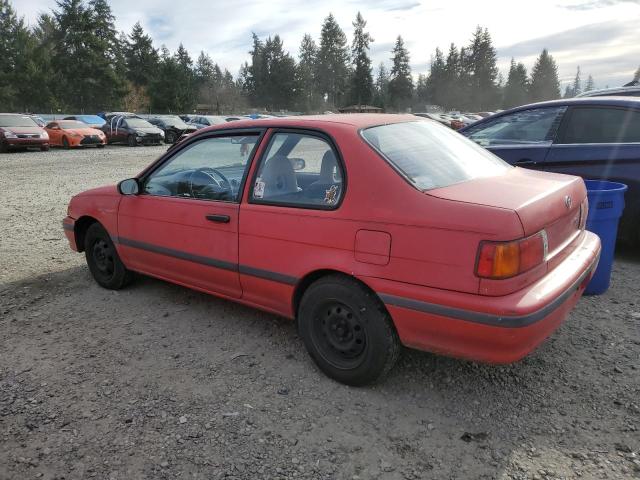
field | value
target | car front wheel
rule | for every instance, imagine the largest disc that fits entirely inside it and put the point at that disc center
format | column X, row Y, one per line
column 170, row 138
column 131, row 141
column 347, row 331
column 103, row 259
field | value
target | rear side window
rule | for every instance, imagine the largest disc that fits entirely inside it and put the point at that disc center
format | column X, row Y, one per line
column 430, row 155
column 299, row 170
column 526, row 127
column 602, row 125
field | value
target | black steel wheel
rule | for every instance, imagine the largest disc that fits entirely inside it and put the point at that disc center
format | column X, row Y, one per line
column 103, row 259
column 347, row 330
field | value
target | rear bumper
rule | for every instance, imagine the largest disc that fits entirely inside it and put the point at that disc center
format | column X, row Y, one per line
column 490, row 329
column 68, row 224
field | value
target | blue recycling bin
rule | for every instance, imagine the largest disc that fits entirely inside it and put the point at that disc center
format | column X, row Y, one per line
column 606, row 203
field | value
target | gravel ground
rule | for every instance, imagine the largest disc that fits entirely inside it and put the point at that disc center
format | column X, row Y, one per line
column 160, row 382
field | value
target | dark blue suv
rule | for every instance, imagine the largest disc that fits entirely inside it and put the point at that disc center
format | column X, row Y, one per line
column 593, row 137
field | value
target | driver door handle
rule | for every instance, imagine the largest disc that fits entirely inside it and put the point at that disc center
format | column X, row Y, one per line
column 525, row 161
column 218, row 218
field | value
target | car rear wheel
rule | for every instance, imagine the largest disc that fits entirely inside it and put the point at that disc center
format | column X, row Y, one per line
column 65, row 143
column 347, row 331
column 103, row 259
column 131, row 141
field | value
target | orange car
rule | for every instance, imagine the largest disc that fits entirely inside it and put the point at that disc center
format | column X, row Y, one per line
column 72, row 133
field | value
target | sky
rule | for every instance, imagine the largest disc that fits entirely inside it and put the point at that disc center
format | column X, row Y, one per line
column 600, row 36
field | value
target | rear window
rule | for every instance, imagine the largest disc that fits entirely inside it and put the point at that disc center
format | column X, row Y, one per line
column 430, row 155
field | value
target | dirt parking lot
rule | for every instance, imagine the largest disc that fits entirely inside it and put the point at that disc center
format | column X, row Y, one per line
column 160, row 382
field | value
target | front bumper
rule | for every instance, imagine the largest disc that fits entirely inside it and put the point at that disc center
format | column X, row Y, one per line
column 26, row 142
column 490, row 329
column 68, row 224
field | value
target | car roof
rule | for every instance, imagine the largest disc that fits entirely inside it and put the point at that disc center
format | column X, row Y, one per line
column 356, row 120
column 610, row 91
column 564, row 102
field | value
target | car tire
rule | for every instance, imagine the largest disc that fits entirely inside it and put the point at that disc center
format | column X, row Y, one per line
column 131, row 141
column 170, row 138
column 100, row 145
column 103, row 259
column 347, row 331
column 44, row 148
column 4, row 148
column 65, row 143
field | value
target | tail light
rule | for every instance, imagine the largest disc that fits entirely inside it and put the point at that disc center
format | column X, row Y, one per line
column 499, row 260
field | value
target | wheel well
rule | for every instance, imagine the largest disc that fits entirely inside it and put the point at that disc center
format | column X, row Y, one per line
column 312, row 277
column 80, row 229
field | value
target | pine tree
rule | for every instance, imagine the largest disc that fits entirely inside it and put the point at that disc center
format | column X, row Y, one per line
column 482, row 65
column 14, row 40
column 140, row 56
column 590, row 84
column 516, row 90
column 544, row 83
column 436, row 88
column 381, row 96
column 256, row 72
column 361, row 80
column 333, row 62
column 422, row 92
column 280, row 82
column 576, row 89
column 401, row 82
column 568, row 92
column 305, row 74
column 451, row 78
column 636, row 76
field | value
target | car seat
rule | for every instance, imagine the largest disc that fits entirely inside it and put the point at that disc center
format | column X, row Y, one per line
column 279, row 177
column 328, row 171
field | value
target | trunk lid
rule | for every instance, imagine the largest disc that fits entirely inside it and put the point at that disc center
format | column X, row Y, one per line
column 541, row 200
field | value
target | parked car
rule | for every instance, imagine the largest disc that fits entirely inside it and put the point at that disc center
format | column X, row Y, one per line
column 438, row 117
column 38, row 119
column 93, row 121
column 372, row 231
column 203, row 121
column 130, row 129
column 484, row 114
column 73, row 133
column 594, row 137
column 172, row 126
column 632, row 91
column 19, row 131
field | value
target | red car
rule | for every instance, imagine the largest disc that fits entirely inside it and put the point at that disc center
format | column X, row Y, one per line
column 19, row 131
column 73, row 133
column 371, row 231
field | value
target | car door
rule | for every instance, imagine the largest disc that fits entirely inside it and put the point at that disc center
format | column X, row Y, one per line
column 521, row 138
column 183, row 226
column 286, row 219
column 598, row 142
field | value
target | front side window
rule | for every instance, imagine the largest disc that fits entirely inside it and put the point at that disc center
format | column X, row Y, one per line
column 430, row 155
column 210, row 169
column 299, row 170
column 537, row 126
column 602, row 125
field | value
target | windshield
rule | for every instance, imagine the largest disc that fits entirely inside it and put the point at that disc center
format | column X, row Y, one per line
column 430, row 155
column 173, row 121
column 138, row 123
column 16, row 121
column 71, row 125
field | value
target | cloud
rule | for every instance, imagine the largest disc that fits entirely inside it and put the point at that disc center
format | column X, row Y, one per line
column 592, row 4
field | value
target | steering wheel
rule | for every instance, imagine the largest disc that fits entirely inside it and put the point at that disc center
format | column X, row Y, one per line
column 208, row 175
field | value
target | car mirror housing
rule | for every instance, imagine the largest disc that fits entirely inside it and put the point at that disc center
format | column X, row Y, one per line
column 130, row 186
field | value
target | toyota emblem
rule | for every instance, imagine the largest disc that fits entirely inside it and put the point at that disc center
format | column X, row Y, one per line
column 568, row 202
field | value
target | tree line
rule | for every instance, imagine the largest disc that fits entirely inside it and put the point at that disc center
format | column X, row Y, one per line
column 74, row 59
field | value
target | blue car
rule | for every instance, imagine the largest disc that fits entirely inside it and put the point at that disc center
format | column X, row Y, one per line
column 593, row 137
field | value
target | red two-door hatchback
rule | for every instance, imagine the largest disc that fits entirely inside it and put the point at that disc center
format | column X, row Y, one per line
column 371, row 231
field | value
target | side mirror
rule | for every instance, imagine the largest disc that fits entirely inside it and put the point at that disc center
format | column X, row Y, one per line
column 298, row 163
column 130, row 186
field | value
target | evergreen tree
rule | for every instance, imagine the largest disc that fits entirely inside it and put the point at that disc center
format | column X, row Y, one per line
column 255, row 74
column 13, row 48
column 436, row 88
column 381, row 97
column 516, row 90
column 171, row 91
column 361, row 80
column 280, row 88
column 451, row 83
column 544, row 83
column 636, row 76
column 576, row 89
column 482, row 66
column 141, row 58
column 590, row 84
column 333, row 62
column 568, row 92
column 401, row 82
column 422, row 92
column 305, row 74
